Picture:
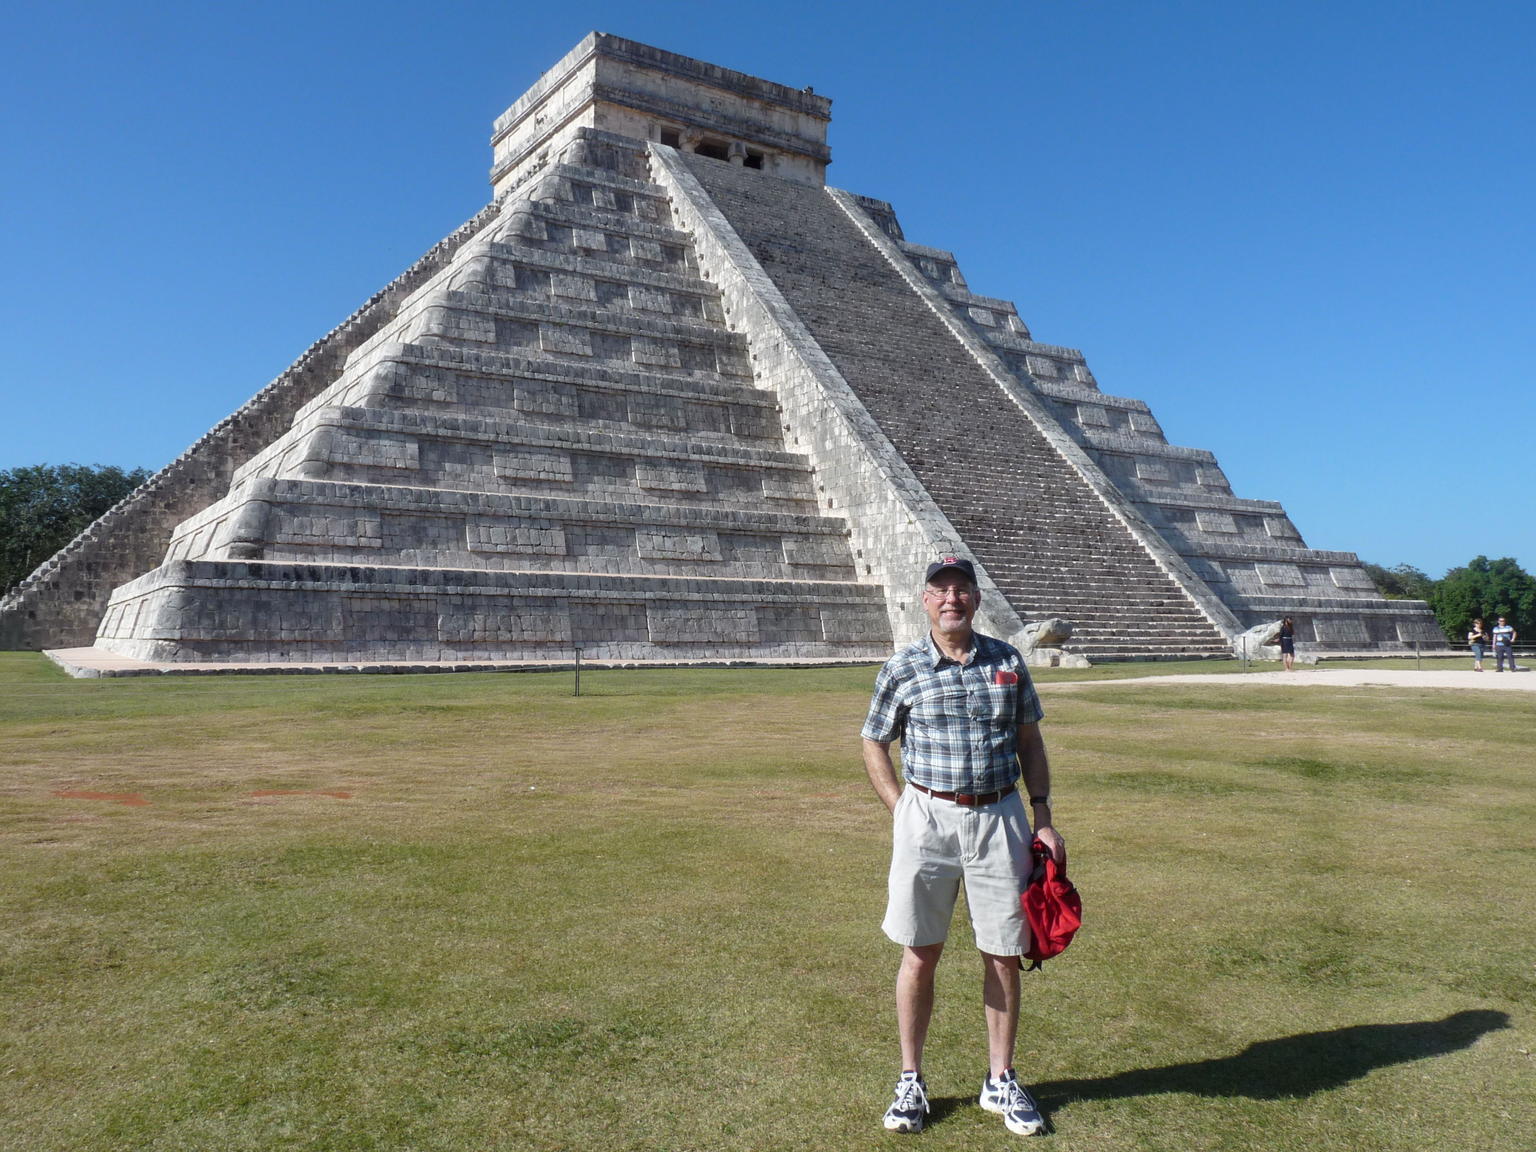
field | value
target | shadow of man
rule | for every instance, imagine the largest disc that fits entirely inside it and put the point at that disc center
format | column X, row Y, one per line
column 1290, row 1067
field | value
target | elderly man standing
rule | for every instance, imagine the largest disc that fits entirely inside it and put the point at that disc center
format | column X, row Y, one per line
column 967, row 716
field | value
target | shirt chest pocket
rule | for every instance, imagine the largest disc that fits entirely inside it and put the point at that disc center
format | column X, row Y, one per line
column 940, row 700
column 993, row 704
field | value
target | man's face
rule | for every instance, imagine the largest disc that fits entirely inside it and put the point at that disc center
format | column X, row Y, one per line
column 1501, row 619
column 950, row 601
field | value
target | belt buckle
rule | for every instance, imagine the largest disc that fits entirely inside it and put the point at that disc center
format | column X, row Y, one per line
column 966, row 800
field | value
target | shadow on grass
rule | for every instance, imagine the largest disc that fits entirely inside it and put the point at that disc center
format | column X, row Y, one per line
column 1291, row 1067
column 941, row 1107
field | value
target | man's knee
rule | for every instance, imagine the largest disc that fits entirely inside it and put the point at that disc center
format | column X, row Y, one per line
column 921, row 960
column 1000, row 964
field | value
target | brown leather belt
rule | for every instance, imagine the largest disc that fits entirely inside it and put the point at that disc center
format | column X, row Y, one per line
column 965, row 799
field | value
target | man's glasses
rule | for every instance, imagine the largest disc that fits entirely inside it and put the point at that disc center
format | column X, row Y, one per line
column 941, row 594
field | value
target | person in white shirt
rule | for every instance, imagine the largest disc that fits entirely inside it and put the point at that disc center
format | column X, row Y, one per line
column 1504, row 645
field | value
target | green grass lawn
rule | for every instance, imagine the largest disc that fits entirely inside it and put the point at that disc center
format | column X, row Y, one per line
column 474, row 912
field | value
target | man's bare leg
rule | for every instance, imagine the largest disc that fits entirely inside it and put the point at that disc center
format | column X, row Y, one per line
column 1000, row 1000
column 914, row 1001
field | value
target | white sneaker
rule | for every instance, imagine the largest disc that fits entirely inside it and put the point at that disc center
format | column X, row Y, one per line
column 1006, row 1096
column 907, row 1111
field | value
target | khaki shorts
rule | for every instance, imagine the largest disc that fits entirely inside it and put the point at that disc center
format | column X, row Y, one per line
column 936, row 844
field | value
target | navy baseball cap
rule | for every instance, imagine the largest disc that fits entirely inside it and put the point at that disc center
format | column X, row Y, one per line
column 958, row 563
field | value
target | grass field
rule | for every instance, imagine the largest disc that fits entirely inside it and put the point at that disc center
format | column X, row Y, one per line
column 474, row 912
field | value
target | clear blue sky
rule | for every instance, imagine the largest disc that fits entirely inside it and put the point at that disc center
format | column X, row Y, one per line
column 1302, row 232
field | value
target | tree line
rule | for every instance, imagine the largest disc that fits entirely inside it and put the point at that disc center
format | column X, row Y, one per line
column 45, row 506
column 1483, row 588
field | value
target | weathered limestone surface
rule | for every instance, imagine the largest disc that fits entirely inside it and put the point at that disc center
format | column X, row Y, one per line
column 669, row 398
column 256, row 612
column 645, row 93
column 554, row 443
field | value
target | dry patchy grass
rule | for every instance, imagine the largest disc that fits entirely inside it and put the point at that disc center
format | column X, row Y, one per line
column 475, row 912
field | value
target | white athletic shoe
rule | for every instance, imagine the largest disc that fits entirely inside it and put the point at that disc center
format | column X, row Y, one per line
column 1006, row 1096
column 907, row 1111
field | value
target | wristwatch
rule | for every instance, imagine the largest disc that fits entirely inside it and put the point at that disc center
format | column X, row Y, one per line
column 1046, row 800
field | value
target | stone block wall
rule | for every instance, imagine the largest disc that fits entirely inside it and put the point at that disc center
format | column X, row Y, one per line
column 236, row 613
column 645, row 93
column 336, row 522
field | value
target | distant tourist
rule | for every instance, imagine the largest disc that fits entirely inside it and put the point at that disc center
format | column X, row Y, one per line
column 1477, row 640
column 1288, row 643
column 1504, row 645
column 964, row 708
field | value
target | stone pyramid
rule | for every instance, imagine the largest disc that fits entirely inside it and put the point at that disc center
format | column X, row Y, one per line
column 670, row 398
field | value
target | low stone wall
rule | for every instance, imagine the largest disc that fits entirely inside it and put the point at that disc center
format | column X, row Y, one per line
column 191, row 611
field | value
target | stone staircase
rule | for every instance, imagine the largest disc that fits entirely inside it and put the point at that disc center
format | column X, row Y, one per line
column 556, row 442
column 1050, row 544
column 1247, row 552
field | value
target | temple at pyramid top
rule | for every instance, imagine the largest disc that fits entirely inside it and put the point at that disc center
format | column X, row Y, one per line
column 631, row 89
column 671, row 398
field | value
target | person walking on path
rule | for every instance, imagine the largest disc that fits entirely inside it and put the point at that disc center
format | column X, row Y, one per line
column 965, row 710
column 1477, row 640
column 1504, row 645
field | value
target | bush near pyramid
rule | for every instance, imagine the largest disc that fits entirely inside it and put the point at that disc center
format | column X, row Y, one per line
column 669, row 397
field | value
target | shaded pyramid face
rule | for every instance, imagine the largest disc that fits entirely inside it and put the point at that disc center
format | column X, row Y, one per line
column 556, row 443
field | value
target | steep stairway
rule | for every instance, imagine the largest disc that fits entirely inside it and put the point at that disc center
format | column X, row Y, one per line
column 1049, row 542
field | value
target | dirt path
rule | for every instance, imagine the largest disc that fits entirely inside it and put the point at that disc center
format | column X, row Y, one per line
column 1489, row 680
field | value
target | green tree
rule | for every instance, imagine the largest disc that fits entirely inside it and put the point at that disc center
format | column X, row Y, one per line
column 1487, row 589
column 45, row 506
column 1401, row 581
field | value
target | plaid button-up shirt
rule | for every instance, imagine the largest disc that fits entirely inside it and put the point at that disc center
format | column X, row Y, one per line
column 957, row 723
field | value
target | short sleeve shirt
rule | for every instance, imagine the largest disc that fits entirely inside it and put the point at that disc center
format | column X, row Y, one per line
column 958, row 723
column 1503, row 635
